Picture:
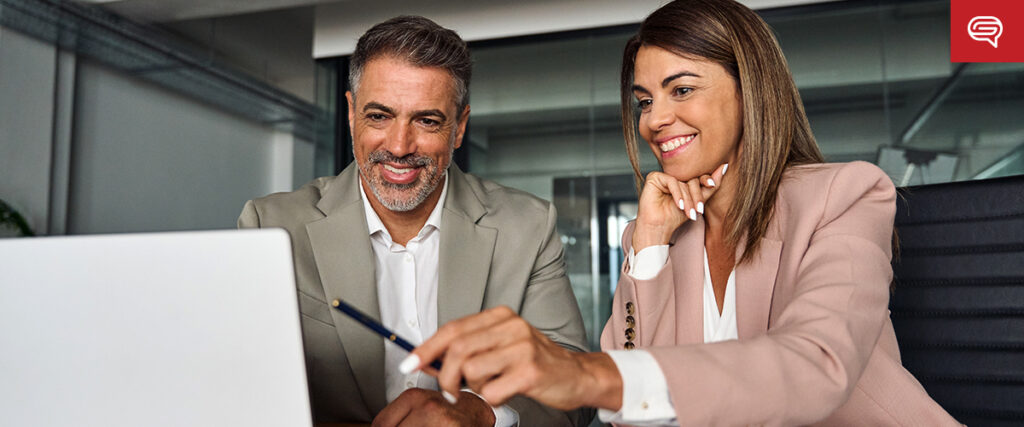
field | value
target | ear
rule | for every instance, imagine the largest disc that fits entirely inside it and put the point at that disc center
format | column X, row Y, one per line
column 463, row 120
column 351, row 113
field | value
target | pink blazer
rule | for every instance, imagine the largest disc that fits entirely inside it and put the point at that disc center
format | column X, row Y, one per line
column 816, row 345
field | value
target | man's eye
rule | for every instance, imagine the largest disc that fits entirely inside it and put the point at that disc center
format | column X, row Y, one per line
column 430, row 122
column 375, row 117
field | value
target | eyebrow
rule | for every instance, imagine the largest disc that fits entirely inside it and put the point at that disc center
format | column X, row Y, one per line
column 422, row 113
column 665, row 82
column 377, row 106
column 428, row 113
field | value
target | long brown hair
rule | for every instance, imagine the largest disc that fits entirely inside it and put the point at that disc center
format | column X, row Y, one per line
column 775, row 132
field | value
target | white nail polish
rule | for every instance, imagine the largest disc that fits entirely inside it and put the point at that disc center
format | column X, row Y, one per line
column 711, row 182
column 409, row 364
column 725, row 168
column 693, row 214
column 681, row 206
column 700, row 207
column 449, row 397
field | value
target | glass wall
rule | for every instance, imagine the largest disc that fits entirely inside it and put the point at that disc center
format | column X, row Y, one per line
column 875, row 78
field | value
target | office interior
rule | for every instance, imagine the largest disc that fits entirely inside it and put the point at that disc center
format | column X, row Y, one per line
column 131, row 116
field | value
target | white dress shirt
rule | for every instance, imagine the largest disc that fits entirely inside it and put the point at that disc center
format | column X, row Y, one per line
column 645, row 395
column 407, row 278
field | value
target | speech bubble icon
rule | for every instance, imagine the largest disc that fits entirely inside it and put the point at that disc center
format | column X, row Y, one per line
column 985, row 29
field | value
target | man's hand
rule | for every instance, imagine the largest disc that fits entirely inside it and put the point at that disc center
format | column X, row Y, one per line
column 500, row 355
column 421, row 407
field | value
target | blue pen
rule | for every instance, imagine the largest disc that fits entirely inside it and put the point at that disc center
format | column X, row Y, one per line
column 374, row 325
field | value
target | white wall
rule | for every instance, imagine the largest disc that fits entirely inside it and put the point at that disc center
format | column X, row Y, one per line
column 146, row 159
column 87, row 149
column 27, row 70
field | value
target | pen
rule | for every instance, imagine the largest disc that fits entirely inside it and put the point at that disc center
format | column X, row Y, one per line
column 374, row 325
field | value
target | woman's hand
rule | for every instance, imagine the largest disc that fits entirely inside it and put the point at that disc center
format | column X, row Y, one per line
column 666, row 203
column 499, row 355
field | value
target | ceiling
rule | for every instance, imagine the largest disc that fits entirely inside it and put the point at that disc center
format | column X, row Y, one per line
column 177, row 10
column 274, row 39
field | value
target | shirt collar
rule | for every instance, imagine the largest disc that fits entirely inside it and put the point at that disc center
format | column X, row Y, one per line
column 374, row 224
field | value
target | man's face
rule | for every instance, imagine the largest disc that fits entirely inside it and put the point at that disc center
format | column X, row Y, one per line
column 405, row 125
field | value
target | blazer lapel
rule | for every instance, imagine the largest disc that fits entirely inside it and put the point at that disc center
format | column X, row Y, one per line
column 755, row 283
column 341, row 246
column 465, row 252
column 687, row 255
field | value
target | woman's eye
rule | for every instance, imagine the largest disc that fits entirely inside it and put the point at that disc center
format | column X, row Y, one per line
column 644, row 103
column 680, row 91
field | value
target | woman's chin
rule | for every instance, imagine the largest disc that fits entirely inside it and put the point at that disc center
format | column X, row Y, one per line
column 682, row 175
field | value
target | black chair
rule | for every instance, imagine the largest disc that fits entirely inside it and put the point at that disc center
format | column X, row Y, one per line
column 958, row 301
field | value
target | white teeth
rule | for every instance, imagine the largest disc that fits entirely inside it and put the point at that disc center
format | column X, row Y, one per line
column 675, row 143
column 396, row 170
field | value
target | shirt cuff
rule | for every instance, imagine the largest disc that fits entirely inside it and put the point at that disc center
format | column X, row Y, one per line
column 504, row 415
column 645, row 395
column 646, row 264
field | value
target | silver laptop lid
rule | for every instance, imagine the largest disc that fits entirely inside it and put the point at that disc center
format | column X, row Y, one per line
column 165, row 329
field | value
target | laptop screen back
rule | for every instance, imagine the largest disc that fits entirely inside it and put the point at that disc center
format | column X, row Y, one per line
column 165, row 329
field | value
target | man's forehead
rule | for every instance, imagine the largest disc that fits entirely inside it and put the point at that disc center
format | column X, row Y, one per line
column 390, row 81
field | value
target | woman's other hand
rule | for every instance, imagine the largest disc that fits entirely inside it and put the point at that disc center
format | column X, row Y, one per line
column 666, row 203
column 499, row 355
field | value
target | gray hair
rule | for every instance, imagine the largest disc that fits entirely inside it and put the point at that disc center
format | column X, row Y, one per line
column 422, row 43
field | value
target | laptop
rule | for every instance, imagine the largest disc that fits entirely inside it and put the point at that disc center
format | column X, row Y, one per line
column 160, row 329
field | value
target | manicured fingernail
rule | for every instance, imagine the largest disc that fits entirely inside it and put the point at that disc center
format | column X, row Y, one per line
column 681, row 206
column 449, row 397
column 700, row 207
column 409, row 364
column 725, row 168
column 693, row 214
column 711, row 182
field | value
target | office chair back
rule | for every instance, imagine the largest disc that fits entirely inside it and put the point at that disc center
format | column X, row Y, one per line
column 958, row 300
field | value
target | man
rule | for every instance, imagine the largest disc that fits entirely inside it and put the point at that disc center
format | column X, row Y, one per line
column 409, row 238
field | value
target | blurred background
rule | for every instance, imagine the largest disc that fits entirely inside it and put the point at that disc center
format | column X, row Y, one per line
column 159, row 115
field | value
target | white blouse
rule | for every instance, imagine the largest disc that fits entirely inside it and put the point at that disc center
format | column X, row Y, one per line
column 645, row 395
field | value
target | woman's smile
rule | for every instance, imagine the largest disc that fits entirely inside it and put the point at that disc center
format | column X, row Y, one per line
column 675, row 145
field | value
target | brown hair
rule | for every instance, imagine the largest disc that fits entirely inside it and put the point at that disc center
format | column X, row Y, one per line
column 775, row 132
column 422, row 43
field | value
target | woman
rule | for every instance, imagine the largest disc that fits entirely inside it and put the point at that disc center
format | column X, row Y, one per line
column 757, row 281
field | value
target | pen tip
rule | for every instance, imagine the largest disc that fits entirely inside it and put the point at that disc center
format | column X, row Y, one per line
column 335, row 303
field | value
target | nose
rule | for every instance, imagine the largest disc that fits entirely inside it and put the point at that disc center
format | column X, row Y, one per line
column 401, row 140
column 660, row 116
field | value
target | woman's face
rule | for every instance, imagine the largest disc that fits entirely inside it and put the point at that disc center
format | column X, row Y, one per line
column 691, row 113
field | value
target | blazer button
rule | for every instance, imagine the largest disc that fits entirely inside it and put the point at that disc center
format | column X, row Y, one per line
column 630, row 322
column 630, row 308
column 629, row 345
column 630, row 334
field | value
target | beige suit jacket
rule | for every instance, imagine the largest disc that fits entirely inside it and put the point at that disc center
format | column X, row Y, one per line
column 816, row 345
column 498, row 247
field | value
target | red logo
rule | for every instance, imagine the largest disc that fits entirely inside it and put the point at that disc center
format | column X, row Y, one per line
column 986, row 31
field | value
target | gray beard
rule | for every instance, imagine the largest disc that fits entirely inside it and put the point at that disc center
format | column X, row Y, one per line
column 385, row 191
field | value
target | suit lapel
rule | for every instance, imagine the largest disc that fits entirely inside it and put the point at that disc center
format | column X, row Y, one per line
column 755, row 283
column 687, row 255
column 465, row 251
column 341, row 246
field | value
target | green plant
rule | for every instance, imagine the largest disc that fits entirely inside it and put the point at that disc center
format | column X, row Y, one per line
column 10, row 218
